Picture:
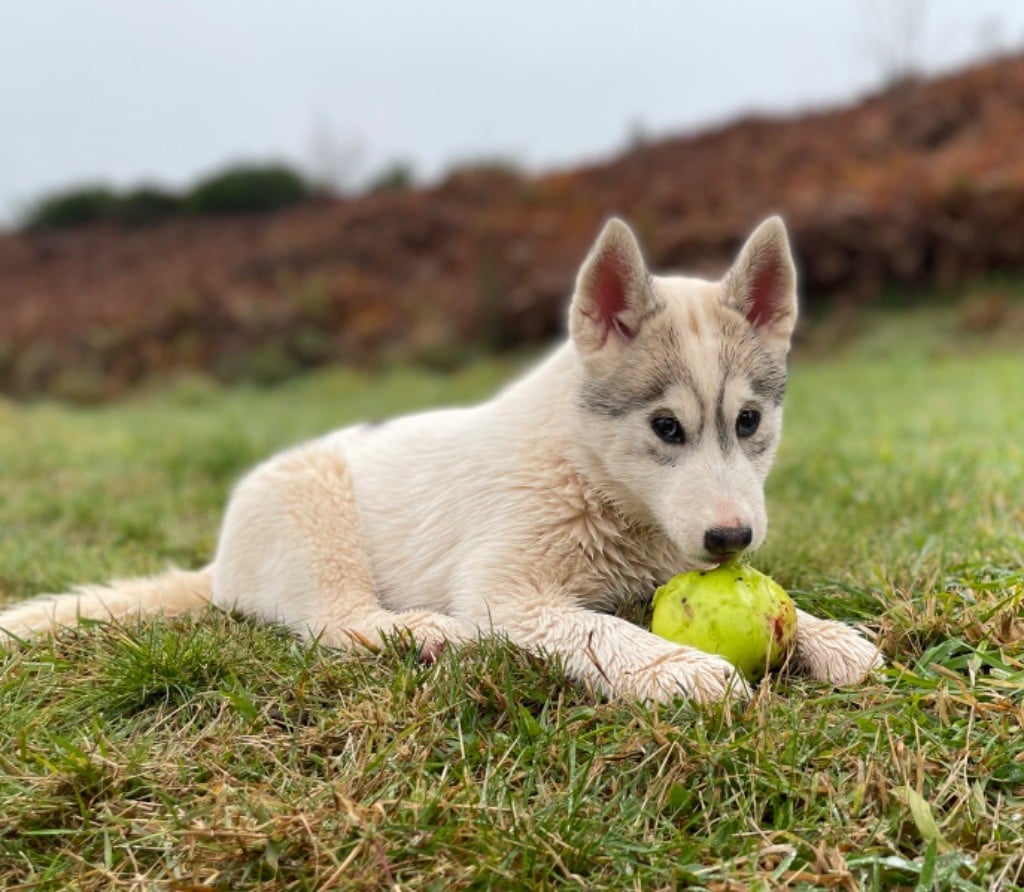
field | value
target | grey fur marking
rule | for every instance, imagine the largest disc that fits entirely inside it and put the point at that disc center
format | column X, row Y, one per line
column 745, row 356
column 618, row 397
column 722, row 425
column 661, row 457
column 757, row 446
column 635, row 388
column 771, row 386
column 612, row 400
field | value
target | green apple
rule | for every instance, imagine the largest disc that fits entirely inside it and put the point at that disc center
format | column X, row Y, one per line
column 733, row 611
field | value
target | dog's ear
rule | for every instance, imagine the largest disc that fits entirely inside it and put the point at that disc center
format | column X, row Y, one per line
column 762, row 285
column 613, row 291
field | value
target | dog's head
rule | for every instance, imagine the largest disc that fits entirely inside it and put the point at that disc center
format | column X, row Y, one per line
column 679, row 396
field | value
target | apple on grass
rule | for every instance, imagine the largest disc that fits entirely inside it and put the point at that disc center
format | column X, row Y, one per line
column 734, row 611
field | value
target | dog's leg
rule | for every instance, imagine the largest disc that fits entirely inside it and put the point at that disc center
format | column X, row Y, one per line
column 616, row 656
column 832, row 651
column 291, row 551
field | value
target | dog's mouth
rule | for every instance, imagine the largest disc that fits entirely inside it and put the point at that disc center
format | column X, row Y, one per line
column 706, row 562
column 722, row 559
column 714, row 561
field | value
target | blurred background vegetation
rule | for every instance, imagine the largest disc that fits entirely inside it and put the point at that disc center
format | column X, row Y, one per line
column 241, row 189
column 261, row 269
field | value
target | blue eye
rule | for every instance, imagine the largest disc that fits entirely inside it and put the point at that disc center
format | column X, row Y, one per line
column 668, row 429
column 747, row 423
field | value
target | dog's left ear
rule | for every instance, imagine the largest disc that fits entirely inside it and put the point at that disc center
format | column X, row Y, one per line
column 613, row 292
column 762, row 285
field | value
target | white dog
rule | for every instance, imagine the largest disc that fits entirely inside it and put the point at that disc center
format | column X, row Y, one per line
column 636, row 451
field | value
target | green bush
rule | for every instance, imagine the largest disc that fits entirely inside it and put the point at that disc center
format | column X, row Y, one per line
column 146, row 205
column 240, row 189
column 248, row 189
column 95, row 204
column 74, row 207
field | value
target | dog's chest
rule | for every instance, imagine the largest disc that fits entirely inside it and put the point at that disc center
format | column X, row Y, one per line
column 623, row 567
column 606, row 558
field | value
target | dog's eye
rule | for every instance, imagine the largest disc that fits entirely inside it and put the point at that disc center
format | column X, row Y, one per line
column 747, row 422
column 668, row 429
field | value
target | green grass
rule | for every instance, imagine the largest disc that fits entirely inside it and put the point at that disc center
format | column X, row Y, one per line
column 212, row 751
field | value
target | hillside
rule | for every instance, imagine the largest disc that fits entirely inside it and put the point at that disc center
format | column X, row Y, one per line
column 919, row 186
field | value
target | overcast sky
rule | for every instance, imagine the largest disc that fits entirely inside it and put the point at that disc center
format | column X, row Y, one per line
column 126, row 91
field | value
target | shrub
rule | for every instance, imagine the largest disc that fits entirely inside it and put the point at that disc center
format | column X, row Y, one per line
column 93, row 204
column 238, row 189
column 248, row 189
column 74, row 207
column 146, row 205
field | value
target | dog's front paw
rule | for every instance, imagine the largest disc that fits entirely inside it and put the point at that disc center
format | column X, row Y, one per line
column 434, row 631
column 686, row 672
column 428, row 631
column 834, row 652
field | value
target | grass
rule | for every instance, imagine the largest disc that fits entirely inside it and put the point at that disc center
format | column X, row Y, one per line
column 212, row 752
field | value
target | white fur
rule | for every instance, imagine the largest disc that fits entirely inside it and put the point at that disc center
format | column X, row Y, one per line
column 530, row 514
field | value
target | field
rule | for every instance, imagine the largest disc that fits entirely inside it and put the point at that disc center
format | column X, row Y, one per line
column 212, row 752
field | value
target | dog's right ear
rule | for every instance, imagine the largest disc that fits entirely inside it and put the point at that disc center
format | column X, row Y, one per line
column 762, row 285
column 613, row 291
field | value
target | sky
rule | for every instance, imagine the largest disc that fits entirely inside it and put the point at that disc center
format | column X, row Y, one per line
column 131, row 91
